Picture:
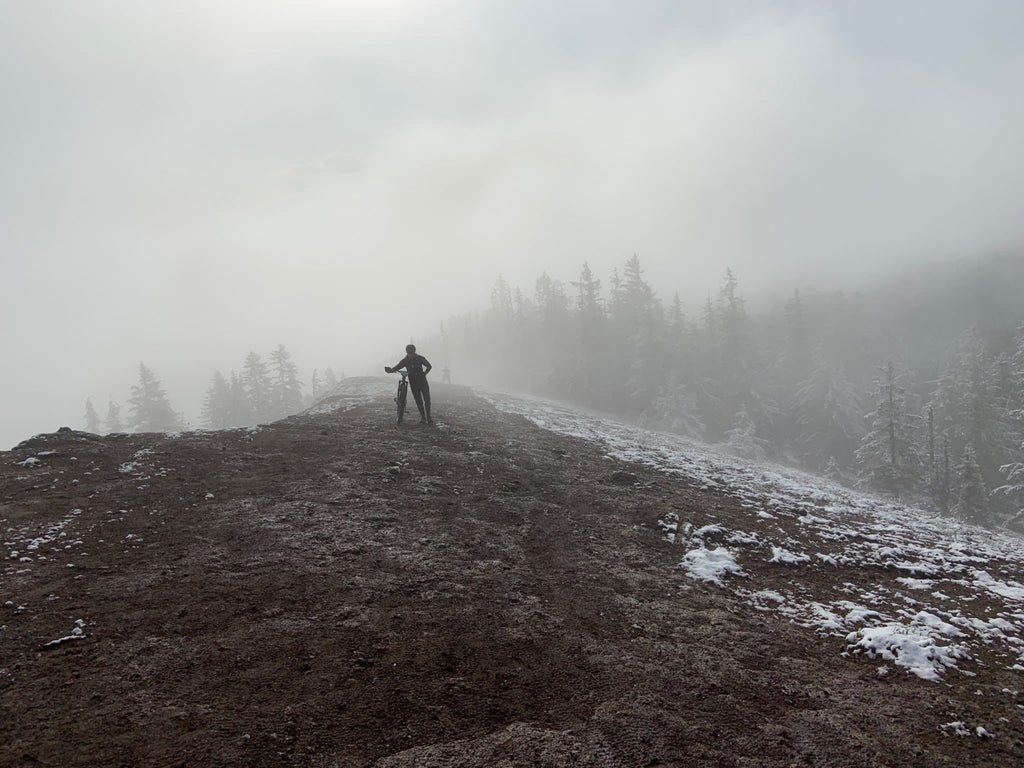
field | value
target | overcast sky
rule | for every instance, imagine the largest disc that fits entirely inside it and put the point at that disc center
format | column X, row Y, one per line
column 181, row 182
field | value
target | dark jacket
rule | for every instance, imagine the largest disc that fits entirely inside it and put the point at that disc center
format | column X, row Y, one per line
column 417, row 365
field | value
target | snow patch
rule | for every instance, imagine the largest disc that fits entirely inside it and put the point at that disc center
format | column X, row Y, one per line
column 894, row 549
column 906, row 646
column 710, row 564
column 782, row 555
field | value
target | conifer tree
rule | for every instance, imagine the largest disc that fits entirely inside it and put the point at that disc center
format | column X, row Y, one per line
column 797, row 356
column 943, row 493
column 240, row 412
column 588, row 295
column 708, row 393
column 589, row 355
column 113, row 420
column 315, row 387
column 150, row 409
column 256, row 378
column 1013, row 490
column 330, row 381
column 499, row 325
column 216, row 412
column 972, row 407
column 501, row 300
column 828, row 416
column 887, row 456
column 679, row 343
column 936, row 472
column 1017, row 367
column 92, row 419
column 972, row 497
column 286, row 393
column 553, row 317
column 742, row 438
column 674, row 410
column 640, row 320
column 835, row 473
column 733, row 372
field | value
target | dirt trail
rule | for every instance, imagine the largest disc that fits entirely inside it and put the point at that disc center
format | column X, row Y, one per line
column 333, row 590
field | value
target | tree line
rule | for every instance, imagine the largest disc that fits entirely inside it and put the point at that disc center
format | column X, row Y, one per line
column 914, row 388
column 263, row 390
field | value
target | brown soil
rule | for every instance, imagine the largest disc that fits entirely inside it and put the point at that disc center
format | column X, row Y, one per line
column 483, row 593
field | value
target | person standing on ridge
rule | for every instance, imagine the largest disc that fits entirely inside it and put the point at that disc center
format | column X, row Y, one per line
column 418, row 367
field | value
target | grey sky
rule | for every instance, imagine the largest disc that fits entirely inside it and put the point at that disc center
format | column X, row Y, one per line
column 181, row 182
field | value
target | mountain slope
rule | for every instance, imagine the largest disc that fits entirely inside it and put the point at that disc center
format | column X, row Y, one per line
column 332, row 590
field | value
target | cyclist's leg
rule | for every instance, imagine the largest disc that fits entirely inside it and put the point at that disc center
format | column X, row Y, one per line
column 426, row 398
column 418, row 397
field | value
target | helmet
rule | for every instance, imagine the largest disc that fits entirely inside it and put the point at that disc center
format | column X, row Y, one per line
column 410, row 348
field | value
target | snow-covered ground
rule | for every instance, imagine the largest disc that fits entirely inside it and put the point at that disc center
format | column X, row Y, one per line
column 897, row 583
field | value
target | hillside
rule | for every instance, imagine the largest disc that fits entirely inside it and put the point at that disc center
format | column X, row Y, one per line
column 505, row 589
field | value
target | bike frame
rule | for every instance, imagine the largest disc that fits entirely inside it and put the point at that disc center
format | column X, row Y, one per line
column 403, row 393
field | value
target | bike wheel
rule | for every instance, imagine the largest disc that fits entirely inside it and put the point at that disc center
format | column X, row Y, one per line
column 400, row 399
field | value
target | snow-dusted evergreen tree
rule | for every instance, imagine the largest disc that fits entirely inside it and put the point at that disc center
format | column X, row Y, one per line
column 150, row 411
column 330, row 381
column 837, row 474
column 315, row 387
column 1017, row 368
column 648, row 368
column 674, row 410
column 937, row 479
column 828, row 416
column 551, row 334
column 240, row 411
column 113, row 420
column 640, row 316
column 651, row 365
column 931, row 460
column 286, row 394
column 972, row 407
column 795, row 359
column 258, row 387
column 590, row 354
column 706, row 361
column 943, row 491
column 797, row 354
column 888, row 459
column 1013, row 490
column 733, row 373
column 501, row 300
column 972, row 497
column 742, row 438
column 217, row 403
column 92, row 419
column 1015, row 399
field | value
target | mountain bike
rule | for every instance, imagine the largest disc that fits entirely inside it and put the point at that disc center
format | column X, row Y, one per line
column 402, row 394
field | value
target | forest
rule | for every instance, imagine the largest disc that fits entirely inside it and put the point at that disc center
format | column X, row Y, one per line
column 261, row 392
column 912, row 387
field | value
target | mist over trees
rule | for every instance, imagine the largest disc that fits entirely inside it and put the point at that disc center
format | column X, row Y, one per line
column 262, row 391
column 92, row 419
column 149, row 408
column 914, row 388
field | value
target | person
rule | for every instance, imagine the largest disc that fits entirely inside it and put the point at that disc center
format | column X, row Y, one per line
column 446, row 372
column 418, row 367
